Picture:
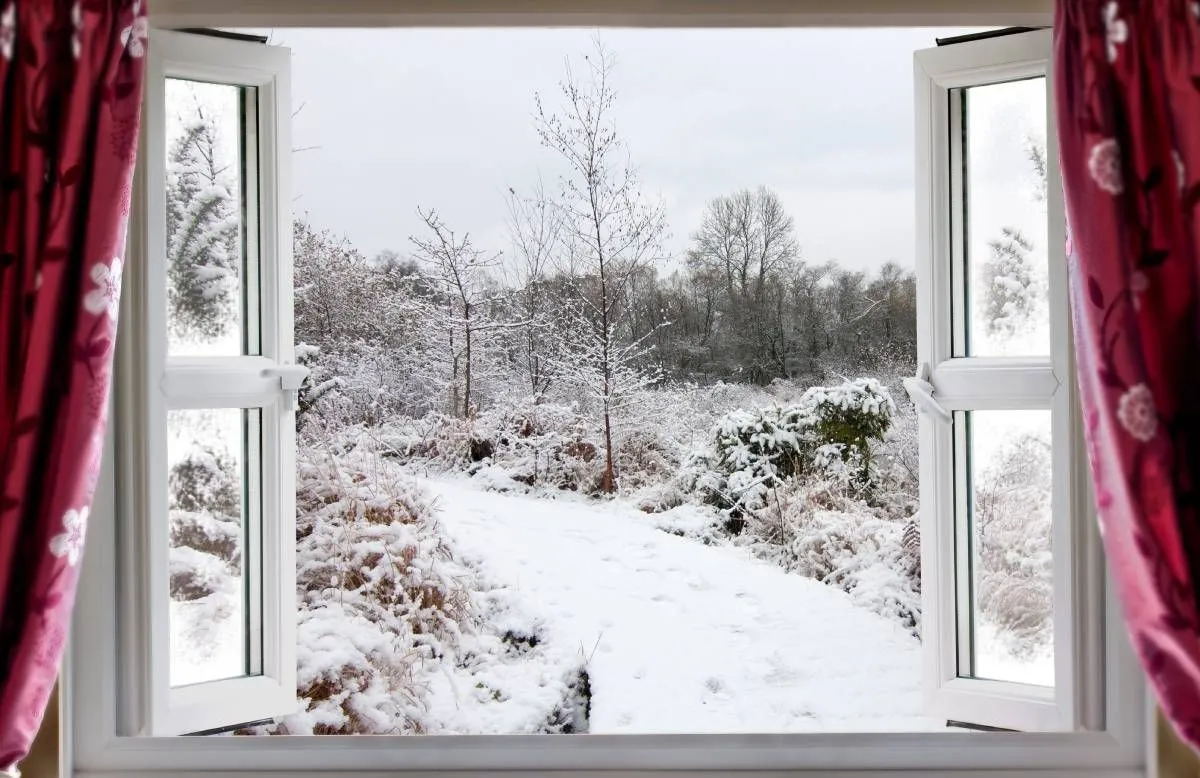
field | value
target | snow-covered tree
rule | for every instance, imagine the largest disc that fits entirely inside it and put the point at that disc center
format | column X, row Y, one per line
column 1014, row 292
column 609, row 232
column 203, row 232
column 1011, row 295
column 363, row 328
column 460, row 276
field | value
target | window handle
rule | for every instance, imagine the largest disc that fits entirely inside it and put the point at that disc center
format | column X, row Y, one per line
column 291, row 378
column 920, row 390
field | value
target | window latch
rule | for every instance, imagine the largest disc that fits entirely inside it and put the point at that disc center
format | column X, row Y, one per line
column 291, row 378
column 920, row 390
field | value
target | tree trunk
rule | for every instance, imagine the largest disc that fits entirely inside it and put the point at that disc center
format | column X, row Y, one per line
column 608, row 484
column 467, row 367
column 453, row 365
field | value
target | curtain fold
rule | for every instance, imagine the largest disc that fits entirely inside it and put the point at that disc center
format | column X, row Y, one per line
column 1127, row 79
column 70, row 94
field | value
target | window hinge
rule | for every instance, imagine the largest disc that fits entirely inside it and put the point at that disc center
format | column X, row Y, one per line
column 291, row 378
column 920, row 390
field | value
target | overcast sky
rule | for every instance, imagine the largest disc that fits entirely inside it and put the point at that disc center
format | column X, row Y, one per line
column 393, row 119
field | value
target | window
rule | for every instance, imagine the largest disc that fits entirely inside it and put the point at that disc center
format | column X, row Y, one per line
column 208, row 375
column 996, row 337
column 210, row 383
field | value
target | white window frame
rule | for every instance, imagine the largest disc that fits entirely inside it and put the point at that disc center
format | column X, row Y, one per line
column 149, row 383
column 97, row 668
column 967, row 383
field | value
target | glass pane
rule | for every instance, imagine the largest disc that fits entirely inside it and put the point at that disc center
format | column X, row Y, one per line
column 213, row 492
column 1005, row 220
column 212, row 203
column 1009, row 609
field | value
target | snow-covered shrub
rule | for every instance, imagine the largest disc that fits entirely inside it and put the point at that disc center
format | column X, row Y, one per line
column 196, row 574
column 543, row 444
column 839, row 541
column 434, row 438
column 204, row 480
column 379, row 591
column 753, row 451
column 352, row 676
column 205, row 554
column 828, row 435
column 840, row 424
column 205, row 528
column 1012, row 525
column 657, row 498
column 357, row 384
column 204, row 561
column 538, row 445
column 202, row 531
column 644, row 459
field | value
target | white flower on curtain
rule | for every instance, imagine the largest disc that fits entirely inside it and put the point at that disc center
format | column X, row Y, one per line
column 77, row 28
column 106, row 297
column 133, row 37
column 1137, row 413
column 1139, row 282
column 1104, row 163
column 69, row 542
column 8, row 30
column 1116, row 31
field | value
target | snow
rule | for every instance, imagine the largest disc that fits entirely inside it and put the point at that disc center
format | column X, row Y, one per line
column 993, row 660
column 676, row 636
column 207, row 641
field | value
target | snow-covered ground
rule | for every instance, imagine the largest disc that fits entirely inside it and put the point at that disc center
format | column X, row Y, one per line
column 676, row 636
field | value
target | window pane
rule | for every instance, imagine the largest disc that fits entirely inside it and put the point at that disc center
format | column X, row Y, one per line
column 1005, row 221
column 212, row 203
column 213, row 493
column 1008, row 602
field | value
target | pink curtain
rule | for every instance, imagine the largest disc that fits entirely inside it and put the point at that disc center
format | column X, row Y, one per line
column 70, row 93
column 1128, row 100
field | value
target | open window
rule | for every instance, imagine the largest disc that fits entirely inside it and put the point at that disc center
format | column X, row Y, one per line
column 206, row 395
column 1005, row 529
column 202, row 457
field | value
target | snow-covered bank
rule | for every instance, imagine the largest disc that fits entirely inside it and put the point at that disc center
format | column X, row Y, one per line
column 677, row 636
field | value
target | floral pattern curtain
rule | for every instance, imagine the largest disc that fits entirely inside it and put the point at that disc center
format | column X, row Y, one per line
column 1128, row 108
column 70, row 94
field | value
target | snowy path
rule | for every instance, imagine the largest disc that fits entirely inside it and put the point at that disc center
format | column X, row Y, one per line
column 684, row 637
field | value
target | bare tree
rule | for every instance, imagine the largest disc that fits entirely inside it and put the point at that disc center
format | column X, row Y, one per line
column 535, row 229
column 609, row 232
column 748, row 239
column 460, row 273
